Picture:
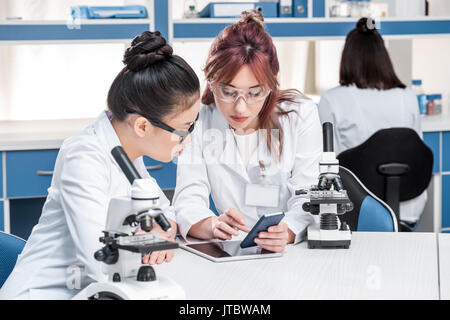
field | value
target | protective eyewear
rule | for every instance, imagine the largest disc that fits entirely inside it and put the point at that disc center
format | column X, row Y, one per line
column 183, row 134
column 230, row 94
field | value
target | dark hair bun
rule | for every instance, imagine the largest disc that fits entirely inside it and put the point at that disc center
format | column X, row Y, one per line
column 252, row 17
column 366, row 25
column 145, row 50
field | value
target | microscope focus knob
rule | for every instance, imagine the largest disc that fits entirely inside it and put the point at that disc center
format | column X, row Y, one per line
column 100, row 255
column 146, row 274
column 107, row 255
column 306, row 206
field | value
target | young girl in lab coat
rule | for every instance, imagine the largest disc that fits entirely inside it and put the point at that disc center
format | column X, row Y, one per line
column 254, row 147
column 370, row 97
column 155, row 93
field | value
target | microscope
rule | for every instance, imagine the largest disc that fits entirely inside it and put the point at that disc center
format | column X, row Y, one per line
column 328, row 200
column 123, row 249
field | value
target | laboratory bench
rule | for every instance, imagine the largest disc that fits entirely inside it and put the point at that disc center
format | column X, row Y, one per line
column 29, row 150
column 388, row 266
column 444, row 265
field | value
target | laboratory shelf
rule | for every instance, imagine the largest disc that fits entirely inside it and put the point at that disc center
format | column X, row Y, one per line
column 313, row 28
column 110, row 30
column 120, row 30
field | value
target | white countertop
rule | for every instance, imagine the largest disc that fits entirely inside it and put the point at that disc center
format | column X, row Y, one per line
column 436, row 123
column 444, row 265
column 377, row 266
column 49, row 134
column 38, row 134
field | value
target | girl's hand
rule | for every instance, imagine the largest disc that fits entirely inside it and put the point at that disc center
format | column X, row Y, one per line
column 158, row 257
column 275, row 238
column 228, row 224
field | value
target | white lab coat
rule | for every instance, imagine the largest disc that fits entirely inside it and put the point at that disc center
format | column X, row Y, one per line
column 85, row 178
column 211, row 164
column 358, row 113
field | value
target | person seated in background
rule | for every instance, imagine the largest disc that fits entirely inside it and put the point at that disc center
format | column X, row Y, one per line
column 370, row 97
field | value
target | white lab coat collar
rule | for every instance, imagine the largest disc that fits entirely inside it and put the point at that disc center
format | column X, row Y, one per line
column 231, row 156
column 106, row 132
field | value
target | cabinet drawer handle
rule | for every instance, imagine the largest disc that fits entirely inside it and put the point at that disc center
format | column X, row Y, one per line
column 157, row 167
column 44, row 173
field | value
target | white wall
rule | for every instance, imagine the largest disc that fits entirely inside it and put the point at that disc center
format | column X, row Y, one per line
column 55, row 81
column 431, row 63
column 439, row 7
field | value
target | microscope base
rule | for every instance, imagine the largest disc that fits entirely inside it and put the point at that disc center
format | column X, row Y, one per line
column 130, row 289
column 328, row 239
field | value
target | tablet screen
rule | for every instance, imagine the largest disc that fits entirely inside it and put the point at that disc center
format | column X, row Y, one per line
column 226, row 250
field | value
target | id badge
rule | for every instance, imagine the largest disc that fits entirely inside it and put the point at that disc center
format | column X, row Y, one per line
column 262, row 195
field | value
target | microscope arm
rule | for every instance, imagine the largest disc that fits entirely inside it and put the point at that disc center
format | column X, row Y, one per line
column 132, row 174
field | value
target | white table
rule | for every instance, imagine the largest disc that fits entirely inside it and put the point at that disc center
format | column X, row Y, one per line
column 377, row 266
column 444, row 265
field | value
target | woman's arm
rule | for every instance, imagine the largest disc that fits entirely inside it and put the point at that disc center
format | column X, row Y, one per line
column 191, row 198
column 203, row 228
column 84, row 198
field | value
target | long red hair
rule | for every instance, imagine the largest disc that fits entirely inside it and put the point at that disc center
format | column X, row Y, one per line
column 247, row 43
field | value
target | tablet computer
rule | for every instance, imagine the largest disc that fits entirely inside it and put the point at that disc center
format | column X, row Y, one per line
column 230, row 250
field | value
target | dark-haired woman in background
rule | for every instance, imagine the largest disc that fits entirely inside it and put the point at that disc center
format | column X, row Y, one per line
column 370, row 98
column 155, row 92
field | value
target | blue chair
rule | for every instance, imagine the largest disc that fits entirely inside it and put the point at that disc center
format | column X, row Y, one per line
column 10, row 247
column 395, row 164
column 370, row 214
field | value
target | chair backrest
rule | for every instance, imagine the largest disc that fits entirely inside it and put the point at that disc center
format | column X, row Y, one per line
column 10, row 247
column 370, row 214
column 394, row 164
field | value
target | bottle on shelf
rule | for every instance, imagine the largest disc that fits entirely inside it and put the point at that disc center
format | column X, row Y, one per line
column 190, row 9
column 344, row 9
column 364, row 8
column 354, row 8
column 421, row 97
column 334, row 7
column 431, row 106
column 438, row 103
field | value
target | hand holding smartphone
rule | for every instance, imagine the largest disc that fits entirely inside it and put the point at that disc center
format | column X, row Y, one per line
column 266, row 221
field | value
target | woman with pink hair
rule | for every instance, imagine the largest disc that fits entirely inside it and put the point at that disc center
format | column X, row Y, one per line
column 254, row 146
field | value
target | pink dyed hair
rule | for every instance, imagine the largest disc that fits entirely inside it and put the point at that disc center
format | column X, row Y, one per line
column 247, row 43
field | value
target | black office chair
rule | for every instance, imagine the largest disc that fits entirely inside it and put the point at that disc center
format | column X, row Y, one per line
column 369, row 214
column 394, row 164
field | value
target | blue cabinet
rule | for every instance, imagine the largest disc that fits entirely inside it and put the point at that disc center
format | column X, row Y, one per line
column 446, row 201
column 432, row 140
column 165, row 173
column 445, row 151
column 1, row 175
column 2, row 221
column 29, row 173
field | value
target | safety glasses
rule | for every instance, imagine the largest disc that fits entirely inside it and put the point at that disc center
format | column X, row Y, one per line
column 231, row 94
column 183, row 134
